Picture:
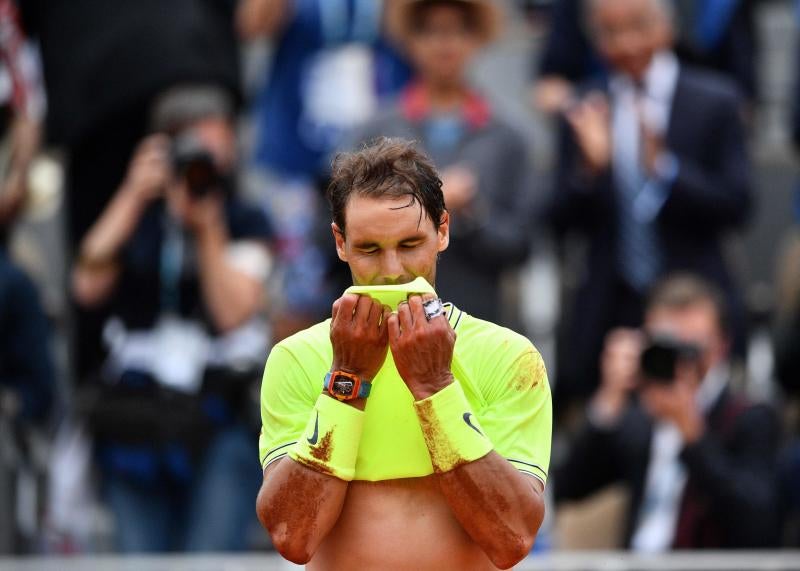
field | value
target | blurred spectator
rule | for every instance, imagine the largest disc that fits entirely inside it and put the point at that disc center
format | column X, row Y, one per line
column 653, row 172
column 27, row 374
column 26, row 363
column 21, row 111
column 787, row 331
column 787, row 372
column 104, row 62
column 484, row 163
column 331, row 65
column 183, row 262
column 716, row 34
column 27, row 391
column 699, row 461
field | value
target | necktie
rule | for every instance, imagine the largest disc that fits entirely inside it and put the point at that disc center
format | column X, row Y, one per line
column 638, row 251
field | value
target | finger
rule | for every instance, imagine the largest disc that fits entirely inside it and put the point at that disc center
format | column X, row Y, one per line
column 362, row 309
column 418, row 318
column 386, row 311
column 335, row 308
column 393, row 326
column 404, row 316
column 347, row 306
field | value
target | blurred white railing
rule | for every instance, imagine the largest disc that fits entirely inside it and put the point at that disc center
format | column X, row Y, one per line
column 563, row 561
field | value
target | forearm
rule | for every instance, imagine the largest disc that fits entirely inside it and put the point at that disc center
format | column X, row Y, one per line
column 96, row 269
column 26, row 134
column 231, row 296
column 495, row 504
column 500, row 508
column 299, row 506
column 114, row 227
column 303, row 493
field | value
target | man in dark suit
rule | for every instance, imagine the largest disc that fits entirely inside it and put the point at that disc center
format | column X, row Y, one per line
column 653, row 172
column 715, row 34
column 699, row 461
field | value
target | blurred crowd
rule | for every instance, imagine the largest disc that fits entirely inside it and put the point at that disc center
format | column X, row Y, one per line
column 163, row 223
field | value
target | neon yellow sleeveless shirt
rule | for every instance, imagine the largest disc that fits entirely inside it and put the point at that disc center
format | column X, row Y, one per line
column 501, row 373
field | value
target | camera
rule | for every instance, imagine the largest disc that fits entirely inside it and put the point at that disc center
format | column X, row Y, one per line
column 192, row 161
column 661, row 354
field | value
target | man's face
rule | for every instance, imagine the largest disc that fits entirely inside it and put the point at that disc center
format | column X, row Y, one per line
column 389, row 240
column 444, row 45
column 628, row 33
column 696, row 324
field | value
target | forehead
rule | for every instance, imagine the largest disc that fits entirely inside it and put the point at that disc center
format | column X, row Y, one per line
column 370, row 217
column 614, row 9
column 442, row 11
column 699, row 318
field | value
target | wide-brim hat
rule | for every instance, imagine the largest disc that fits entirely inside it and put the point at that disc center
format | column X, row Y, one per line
column 488, row 17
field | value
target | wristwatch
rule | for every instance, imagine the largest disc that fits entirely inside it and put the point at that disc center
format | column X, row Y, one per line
column 345, row 386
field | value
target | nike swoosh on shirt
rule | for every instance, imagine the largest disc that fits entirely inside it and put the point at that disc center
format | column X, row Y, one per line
column 466, row 418
column 313, row 439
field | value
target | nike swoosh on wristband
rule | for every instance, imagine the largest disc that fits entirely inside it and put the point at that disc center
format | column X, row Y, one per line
column 314, row 437
column 466, row 418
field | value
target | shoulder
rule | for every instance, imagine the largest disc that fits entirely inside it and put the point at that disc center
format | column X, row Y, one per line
column 308, row 345
column 246, row 221
column 708, row 85
column 746, row 415
column 508, row 138
column 492, row 343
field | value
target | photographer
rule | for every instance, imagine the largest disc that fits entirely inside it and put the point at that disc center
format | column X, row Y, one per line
column 698, row 460
column 182, row 262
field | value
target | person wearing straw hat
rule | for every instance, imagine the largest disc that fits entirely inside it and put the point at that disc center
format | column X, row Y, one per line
column 402, row 433
column 484, row 162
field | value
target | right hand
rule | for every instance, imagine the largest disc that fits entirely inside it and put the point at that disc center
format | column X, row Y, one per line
column 590, row 121
column 359, row 335
column 619, row 369
column 149, row 170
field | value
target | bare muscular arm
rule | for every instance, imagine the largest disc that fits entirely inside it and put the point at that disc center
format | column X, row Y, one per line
column 500, row 508
column 298, row 505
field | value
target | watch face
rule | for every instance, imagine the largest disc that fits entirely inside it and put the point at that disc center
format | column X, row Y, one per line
column 342, row 386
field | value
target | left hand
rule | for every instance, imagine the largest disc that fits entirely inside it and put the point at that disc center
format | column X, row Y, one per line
column 675, row 402
column 422, row 349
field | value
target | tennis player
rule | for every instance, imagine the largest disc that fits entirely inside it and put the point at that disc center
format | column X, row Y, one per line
column 407, row 437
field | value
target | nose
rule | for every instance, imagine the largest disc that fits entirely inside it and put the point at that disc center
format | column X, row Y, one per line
column 392, row 268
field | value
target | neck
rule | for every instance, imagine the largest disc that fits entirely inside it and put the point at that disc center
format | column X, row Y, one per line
column 444, row 96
